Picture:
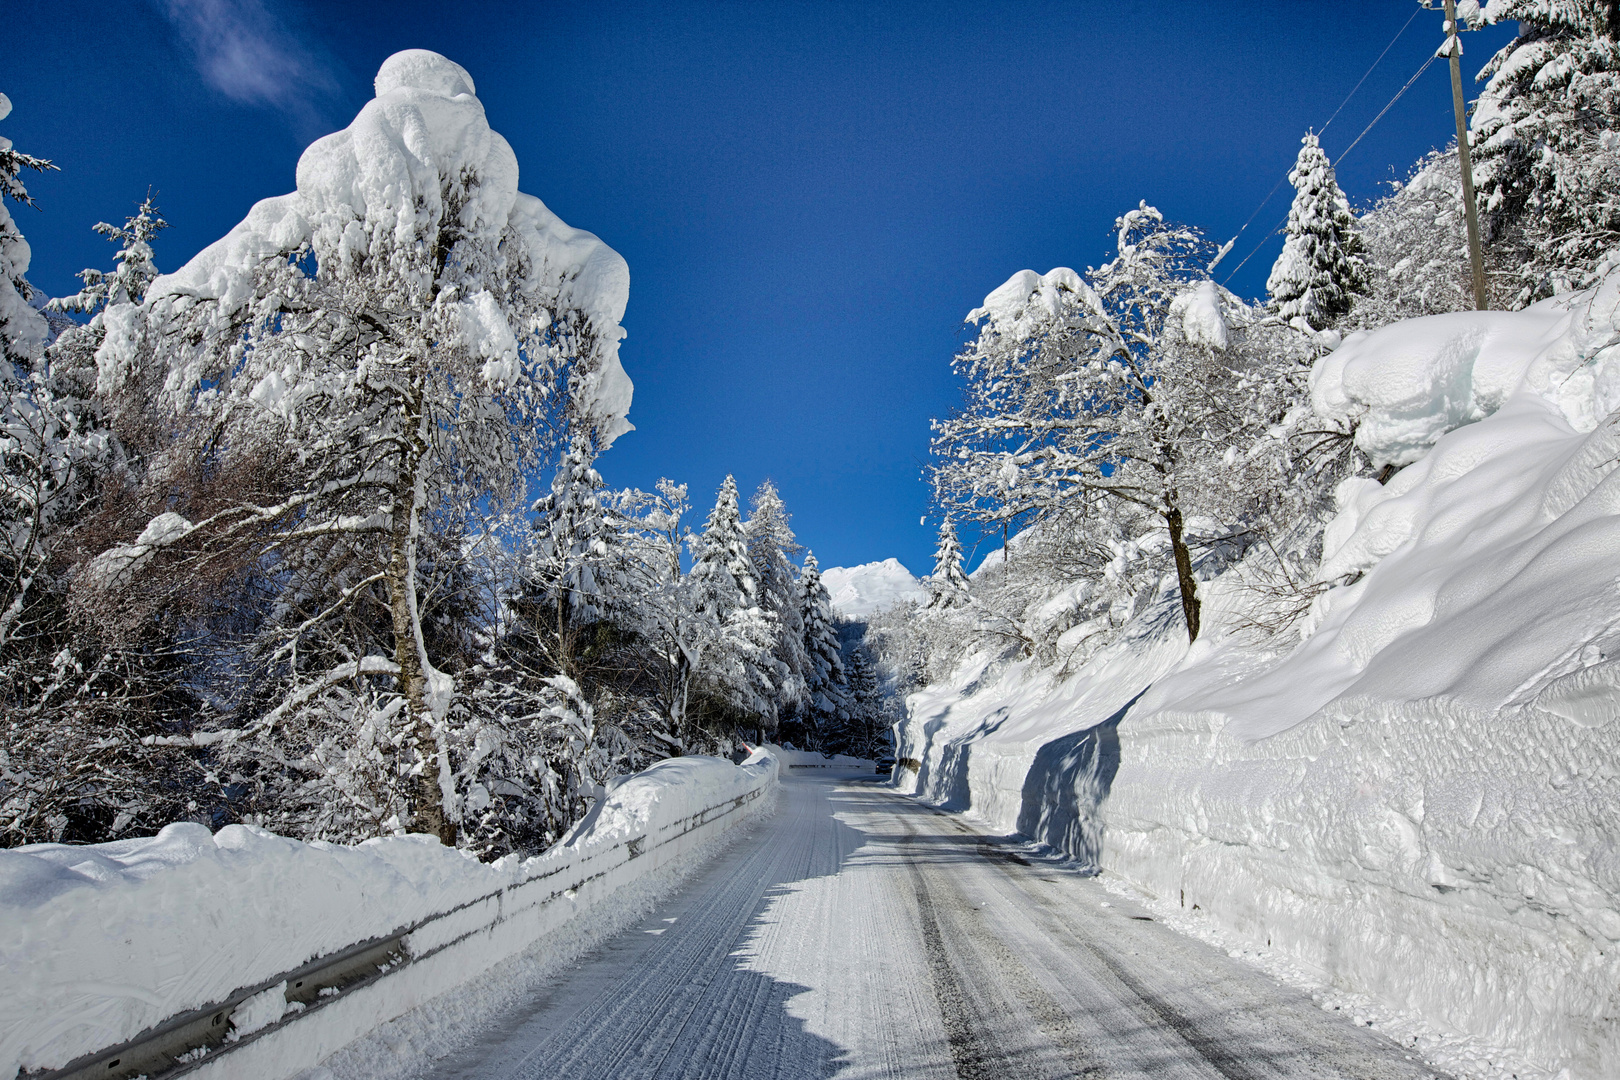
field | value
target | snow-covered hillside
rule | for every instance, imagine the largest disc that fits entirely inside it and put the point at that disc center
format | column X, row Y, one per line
column 1416, row 796
column 858, row 591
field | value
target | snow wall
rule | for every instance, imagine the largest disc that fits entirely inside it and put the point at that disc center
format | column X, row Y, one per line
column 103, row 943
column 1415, row 798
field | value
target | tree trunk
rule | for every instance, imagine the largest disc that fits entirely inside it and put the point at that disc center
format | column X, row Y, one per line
column 1184, row 574
column 428, row 810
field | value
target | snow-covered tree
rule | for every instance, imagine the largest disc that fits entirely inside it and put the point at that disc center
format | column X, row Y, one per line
column 351, row 373
column 673, row 629
column 1416, row 247
column 1094, row 398
column 22, row 329
column 1543, row 133
column 740, row 669
column 827, row 686
column 133, row 271
column 868, row 734
column 772, row 547
column 77, row 710
column 948, row 585
column 1321, row 270
column 721, row 566
column 575, row 571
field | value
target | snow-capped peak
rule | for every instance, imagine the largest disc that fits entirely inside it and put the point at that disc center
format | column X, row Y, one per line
column 857, row 591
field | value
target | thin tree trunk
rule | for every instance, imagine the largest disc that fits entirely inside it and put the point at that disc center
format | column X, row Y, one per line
column 1184, row 575
column 428, row 813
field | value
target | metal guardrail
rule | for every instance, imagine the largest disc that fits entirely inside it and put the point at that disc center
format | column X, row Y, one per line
column 191, row 1039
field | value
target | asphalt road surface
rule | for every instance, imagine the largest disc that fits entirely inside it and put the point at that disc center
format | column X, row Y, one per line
column 860, row 934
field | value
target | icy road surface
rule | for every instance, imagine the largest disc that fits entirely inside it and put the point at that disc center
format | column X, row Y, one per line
column 860, row 934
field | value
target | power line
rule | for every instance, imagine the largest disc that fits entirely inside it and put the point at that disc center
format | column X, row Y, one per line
column 1375, row 63
column 1335, row 116
column 1341, row 157
column 1385, row 109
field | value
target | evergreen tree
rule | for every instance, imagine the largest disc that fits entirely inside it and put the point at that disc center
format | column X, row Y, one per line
column 133, row 268
column 1320, row 270
column 827, row 688
column 868, row 725
column 721, row 566
column 1543, row 136
column 771, row 547
column 573, row 563
column 739, row 665
column 22, row 329
column 949, row 585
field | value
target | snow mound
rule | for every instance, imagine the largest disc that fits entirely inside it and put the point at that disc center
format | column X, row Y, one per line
column 859, row 591
column 1407, row 384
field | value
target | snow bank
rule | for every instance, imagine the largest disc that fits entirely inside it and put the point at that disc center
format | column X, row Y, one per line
column 100, row 943
column 1420, row 801
column 859, row 591
column 1407, row 384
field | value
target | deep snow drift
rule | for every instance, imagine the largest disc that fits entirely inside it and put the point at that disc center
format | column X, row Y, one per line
column 859, row 591
column 1419, row 800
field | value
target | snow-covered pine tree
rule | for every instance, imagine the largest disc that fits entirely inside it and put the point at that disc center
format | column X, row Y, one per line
column 1543, row 133
column 772, row 547
column 74, row 711
column 948, row 585
column 828, row 689
column 1321, row 270
column 574, row 571
column 133, row 267
column 721, row 566
column 740, row 669
column 868, row 728
column 354, row 373
column 23, row 330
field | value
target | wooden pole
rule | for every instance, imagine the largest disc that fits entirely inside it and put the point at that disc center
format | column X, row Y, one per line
column 1470, row 205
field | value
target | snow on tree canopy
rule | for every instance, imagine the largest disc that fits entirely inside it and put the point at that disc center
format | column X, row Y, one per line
column 1030, row 296
column 369, row 189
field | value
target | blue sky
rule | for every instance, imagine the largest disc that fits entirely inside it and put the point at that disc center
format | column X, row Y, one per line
column 810, row 196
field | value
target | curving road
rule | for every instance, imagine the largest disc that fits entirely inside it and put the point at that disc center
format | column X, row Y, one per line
column 859, row 934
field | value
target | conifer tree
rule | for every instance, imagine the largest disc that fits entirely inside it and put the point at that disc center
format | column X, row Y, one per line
column 1320, row 270
column 740, row 665
column 721, row 565
column 949, row 585
column 868, row 731
column 772, row 546
column 1543, row 132
column 133, row 270
column 828, row 686
column 572, row 562
column 22, row 329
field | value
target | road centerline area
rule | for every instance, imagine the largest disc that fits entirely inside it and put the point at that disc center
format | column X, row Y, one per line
column 860, row 934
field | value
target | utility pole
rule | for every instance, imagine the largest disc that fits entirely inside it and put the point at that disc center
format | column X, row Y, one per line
column 1453, row 49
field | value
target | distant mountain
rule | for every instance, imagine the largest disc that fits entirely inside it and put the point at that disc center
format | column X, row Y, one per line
column 859, row 591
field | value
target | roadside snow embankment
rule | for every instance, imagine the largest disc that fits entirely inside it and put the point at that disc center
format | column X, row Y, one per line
column 103, row 943
column 1420, row 801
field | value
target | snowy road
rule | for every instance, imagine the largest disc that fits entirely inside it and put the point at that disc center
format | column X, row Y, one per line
column 860, row 934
